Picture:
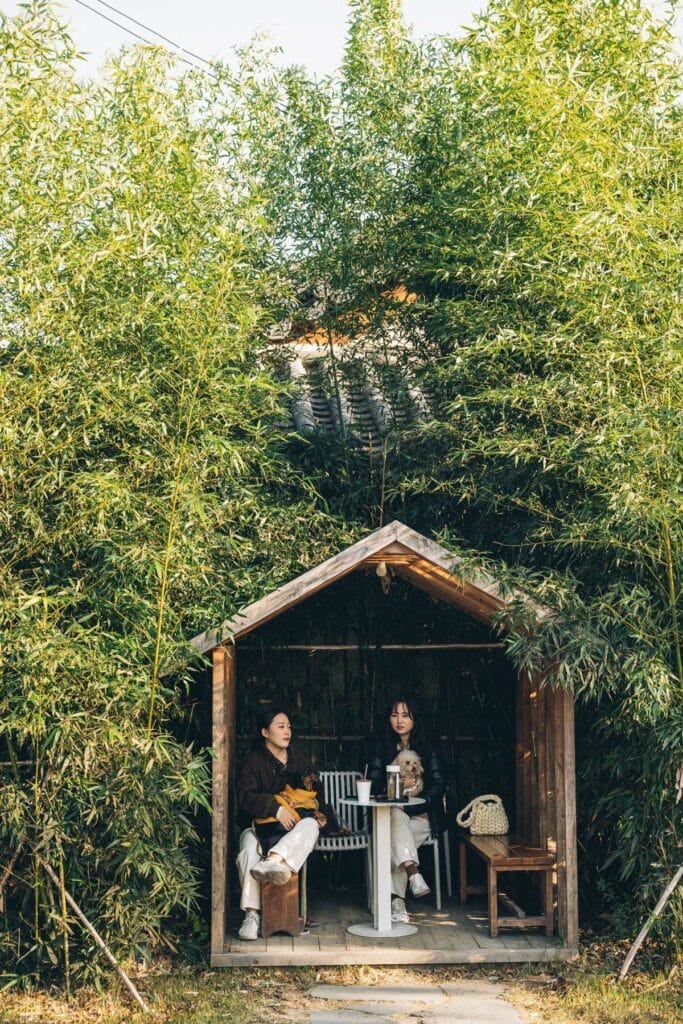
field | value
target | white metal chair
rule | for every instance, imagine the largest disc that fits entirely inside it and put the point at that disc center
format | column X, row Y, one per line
column 434, row 842
column 337, row 785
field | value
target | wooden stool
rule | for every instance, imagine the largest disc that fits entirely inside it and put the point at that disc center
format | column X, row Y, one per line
column 280, row 907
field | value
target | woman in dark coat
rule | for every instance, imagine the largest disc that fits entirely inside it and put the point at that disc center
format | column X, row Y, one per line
column 410, row 826
column 276, row 830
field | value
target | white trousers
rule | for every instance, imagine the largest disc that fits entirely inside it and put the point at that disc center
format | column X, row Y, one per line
column 407, row 834
column 294, row 848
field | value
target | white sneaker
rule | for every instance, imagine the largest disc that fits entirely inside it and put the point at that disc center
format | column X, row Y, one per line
column 399, row 914
column 418, row 886
column 274, row 871
column 250, row 926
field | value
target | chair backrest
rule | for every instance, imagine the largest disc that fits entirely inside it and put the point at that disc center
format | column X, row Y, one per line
column 337, row 785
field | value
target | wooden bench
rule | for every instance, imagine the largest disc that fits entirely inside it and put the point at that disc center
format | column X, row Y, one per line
column 508, row 853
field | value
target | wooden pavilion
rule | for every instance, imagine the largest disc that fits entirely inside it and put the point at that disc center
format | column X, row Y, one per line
column 544, row 776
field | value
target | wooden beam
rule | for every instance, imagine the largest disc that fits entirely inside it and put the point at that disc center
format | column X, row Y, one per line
column 392, row 554
column 388, row 955
column 219, row 801
column 373, row 647
column 440, row 590
column 467, row 595
column 322, row 738
column 508, row 902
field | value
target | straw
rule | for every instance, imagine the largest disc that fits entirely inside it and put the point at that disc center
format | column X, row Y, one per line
column 365, row 774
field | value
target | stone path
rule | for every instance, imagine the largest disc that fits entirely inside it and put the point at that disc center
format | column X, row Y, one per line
column 467, row 1002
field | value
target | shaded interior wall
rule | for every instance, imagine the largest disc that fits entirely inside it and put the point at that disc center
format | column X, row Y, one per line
column 337, row 699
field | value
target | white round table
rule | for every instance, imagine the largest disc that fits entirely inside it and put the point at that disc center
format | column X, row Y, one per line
column 382, row 928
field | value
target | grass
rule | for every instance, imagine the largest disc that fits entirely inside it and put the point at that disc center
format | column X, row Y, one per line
column 581, row 993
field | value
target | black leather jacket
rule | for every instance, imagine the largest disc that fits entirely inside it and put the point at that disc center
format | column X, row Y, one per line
column 434, row 779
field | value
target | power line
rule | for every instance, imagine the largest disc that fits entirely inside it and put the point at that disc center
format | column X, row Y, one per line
column 144, row 39
column 147, row 28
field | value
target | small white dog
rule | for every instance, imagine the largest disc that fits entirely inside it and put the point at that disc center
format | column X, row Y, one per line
column 411, row 772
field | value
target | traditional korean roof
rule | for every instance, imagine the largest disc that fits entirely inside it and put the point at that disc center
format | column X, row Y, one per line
column 357, row 381
column 421, row 561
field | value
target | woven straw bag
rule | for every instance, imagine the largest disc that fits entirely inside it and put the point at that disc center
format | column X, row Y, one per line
column 484, row 816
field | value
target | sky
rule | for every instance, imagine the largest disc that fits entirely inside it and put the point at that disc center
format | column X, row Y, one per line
column 310, row 32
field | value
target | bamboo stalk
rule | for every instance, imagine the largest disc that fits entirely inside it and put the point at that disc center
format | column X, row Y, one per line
column 666, row 537
column 640, row 938
column 91, row 931
column 7, row 873
column 335, row 381
column 65, row 929
column 165, row 571
column 383, row 481
column 36, row 871
column 671, row 584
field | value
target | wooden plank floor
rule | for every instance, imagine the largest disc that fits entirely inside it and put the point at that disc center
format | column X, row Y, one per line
column 452, row 935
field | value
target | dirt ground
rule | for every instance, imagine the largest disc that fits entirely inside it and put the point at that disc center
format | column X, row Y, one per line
column 582, row 993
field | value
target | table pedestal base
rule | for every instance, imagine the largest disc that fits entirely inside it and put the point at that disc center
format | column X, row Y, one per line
column 397, row 931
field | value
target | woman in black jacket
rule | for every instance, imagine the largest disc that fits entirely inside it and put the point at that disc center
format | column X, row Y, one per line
column 410, row 826
column 280, row 839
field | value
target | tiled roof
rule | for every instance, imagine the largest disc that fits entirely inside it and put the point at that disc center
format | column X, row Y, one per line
column 359, row 385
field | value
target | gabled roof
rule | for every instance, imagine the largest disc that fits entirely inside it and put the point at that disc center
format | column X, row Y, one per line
column 413, row 556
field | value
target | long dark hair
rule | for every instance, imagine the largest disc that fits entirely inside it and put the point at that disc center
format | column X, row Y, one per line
column 264, row 721
column 386, row 734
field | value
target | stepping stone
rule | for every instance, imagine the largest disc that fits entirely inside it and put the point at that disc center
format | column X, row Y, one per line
column 474, row 1010
column 488, row 989
column 380, row 994
column 390, row 1009
column 347, row 1017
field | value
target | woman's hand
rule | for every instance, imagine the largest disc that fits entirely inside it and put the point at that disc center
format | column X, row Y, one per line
column 287, row 818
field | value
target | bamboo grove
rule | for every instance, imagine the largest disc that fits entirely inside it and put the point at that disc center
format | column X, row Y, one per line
column 523, row 181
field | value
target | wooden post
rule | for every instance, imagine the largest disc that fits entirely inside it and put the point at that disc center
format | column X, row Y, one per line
column 542, row 748
column 550, row 790
column 533, row 830
column 222, row 711
column 569, row 779
column 548, row 907
column 524, row 769
column 231, row 745
column 565, row 787
column 560, row 829
column 519, row 757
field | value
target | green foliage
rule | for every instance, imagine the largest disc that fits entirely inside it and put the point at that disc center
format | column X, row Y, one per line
column 525, row 181
column 141, row 480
